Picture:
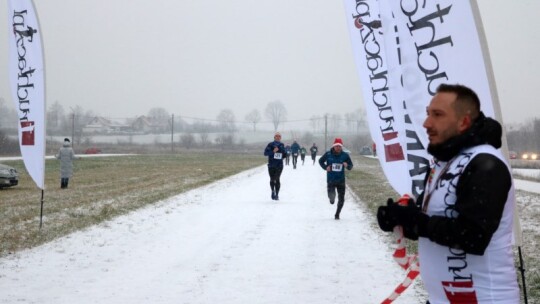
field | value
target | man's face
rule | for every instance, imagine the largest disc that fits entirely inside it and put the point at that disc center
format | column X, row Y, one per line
column 277, row 137
column 442, row 121
column 338, row 149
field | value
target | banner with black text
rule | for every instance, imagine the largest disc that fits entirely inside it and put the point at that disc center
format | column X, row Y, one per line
column 403, row 51
column 26, row 74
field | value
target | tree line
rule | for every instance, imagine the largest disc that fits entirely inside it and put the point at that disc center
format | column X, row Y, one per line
column 522, row 137
column 60, row 119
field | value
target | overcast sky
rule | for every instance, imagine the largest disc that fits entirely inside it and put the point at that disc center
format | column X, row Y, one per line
column 120, row 58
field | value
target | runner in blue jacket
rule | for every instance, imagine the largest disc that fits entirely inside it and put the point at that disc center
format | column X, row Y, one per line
column 295, row 149
column 313, row 151
column 275, row 152
column 334, row 162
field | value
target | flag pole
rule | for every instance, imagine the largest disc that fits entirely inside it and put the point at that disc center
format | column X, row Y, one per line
column 41, row 213
column 518, row 236
column 44, row 120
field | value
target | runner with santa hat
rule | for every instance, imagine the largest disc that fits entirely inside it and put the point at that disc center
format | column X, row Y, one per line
column 334, row 162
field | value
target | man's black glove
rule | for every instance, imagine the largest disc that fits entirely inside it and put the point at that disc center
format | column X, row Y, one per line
column 387, row 220
column 410, row 217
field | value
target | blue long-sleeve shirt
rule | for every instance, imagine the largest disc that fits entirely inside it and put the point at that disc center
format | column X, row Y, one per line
column 295, row 148
column 337, row 169
column 275, row 159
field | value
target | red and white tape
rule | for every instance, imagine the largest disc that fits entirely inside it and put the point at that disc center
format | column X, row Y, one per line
column 407, row 262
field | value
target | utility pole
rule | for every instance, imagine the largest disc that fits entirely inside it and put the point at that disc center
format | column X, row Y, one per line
column 172, row 133
column 325, row 130
column 72, row 127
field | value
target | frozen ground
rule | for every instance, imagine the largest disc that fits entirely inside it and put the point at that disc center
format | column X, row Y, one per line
column 224, row 243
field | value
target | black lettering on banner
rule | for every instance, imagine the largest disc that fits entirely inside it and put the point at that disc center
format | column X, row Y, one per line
column 24, row 34
column 419, row 165
column 378, row 79
column 428, row 61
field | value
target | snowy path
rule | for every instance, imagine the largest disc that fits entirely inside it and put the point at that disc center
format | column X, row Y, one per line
column 526, row 185
column 224, row 243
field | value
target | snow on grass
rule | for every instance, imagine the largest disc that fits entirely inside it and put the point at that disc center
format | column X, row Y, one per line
column 227, row 242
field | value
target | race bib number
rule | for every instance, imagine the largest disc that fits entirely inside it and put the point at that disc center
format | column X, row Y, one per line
column 337, row 167
column 278, row 156
column 295, row 154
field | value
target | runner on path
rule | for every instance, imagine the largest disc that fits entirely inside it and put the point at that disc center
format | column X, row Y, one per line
column 334, row 162
column 275, row 151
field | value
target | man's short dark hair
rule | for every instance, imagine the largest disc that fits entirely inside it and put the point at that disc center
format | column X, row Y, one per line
column 466, row 99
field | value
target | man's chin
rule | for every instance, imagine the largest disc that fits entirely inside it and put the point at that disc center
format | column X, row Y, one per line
column 433, row 148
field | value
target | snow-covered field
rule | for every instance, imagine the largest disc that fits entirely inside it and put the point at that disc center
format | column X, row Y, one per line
column 224, row 243
column 525, row 185
column 532, row 173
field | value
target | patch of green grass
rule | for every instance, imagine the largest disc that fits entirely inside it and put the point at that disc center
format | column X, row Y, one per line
column 102, row 188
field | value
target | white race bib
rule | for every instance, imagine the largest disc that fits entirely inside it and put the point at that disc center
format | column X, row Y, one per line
column 337, row 167
column 278, row 156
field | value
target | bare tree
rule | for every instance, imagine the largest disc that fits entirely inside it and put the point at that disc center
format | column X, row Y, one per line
column 7, row 145
column 55, row 117
column 536, row 134
column 8, row 115
column 187, row 140
column 350, row 121
column 205, row 140
column 316, row 121
column 225, row 141
column 226, row 120
column 160, row 118
column 159, row 114
column 253, row 117
column 335, row 123
column 307, row 139
column 360, row 117
column 276, row 112
column 77, row 120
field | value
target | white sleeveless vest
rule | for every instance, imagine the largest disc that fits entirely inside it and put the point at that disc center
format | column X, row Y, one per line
column 451, row 275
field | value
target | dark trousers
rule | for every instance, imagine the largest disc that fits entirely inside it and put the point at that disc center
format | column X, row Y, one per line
column 275, row 173
column 302, row 157
column 340, row 187
column 64, row 182
column 313, row 157
column 294, row 159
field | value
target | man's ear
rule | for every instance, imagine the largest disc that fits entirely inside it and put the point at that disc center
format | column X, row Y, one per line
column 464, row 123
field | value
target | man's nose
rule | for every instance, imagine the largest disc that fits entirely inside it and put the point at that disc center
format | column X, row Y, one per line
column 427, row 123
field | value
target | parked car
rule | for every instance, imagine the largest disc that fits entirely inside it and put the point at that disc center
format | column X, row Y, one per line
column 529, row 156
column 8, row 176
column 92, row 151
column 512, row 154
column 366, row 151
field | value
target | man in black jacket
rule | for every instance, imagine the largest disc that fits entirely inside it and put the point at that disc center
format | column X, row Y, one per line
column 314, row 149
column 275, row 152
column 463, row 219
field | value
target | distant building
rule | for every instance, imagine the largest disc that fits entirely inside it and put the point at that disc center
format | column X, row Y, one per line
column 104, row 125
column 147, row 124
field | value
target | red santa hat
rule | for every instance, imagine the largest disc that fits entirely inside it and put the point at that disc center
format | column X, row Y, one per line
column 338, row 142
